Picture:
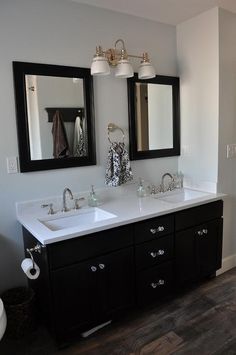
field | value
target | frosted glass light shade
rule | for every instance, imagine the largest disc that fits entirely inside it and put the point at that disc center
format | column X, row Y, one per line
column 100, row 66
column 124, row 69
column 146, row 71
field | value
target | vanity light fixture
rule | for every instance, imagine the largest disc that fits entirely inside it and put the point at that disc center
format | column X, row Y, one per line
column 119, row 58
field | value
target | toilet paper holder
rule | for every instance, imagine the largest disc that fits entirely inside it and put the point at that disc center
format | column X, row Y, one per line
column 36, row 249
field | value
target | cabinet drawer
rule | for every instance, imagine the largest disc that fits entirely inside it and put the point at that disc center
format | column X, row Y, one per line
column 153, row 228
column 198, row 215
column 154, row 283
column 77, row 249
column 154, row 252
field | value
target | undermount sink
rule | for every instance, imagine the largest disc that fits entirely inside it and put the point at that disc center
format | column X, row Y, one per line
column 181, row 195
column 82, row 218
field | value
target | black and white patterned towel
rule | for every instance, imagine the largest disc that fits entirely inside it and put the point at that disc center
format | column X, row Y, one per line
column 118, row 170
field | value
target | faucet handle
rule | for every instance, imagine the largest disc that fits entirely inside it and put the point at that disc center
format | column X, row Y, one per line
column 77, row 206
column 50, row 205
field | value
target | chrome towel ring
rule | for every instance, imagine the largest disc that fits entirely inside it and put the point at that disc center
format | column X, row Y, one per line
column 111, row 128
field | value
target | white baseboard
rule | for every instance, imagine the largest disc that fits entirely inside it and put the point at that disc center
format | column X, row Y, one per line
column 227, row 263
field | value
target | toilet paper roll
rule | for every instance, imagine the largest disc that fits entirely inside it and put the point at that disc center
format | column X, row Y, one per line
column 30, row 271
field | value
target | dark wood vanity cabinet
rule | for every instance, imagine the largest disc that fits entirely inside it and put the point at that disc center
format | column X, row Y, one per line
column 89, row 280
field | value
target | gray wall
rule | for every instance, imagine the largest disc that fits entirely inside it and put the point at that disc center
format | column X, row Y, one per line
column 227, row 127
column 60, row 32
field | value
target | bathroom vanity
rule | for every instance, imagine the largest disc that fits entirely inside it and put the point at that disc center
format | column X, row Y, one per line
column 150, row 249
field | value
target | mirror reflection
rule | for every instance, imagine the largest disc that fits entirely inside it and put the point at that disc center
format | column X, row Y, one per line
column 57, row 126
column 154, row 114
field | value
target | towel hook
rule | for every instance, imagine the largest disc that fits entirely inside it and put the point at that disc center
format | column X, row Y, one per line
column 111, row 128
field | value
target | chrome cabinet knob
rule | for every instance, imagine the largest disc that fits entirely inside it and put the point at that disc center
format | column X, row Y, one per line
column 153, row 231
column 200, row 233
column 205, row 231
column 161, row 252
column 161, row 282
column 93, row 268
column 153, row 254
column 156, row 230
column 102, row 266
column 154, row 284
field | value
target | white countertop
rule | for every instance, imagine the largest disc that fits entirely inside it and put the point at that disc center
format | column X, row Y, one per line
column 122, row 202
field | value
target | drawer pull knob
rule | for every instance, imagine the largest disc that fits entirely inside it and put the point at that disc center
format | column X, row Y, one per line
column 102, row 266
column 93, row 268
column 159, row 283
column 200, row 233
column 158, row 253
column 156, row 230
column 205, row 231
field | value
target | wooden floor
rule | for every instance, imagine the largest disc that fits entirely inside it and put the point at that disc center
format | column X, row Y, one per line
column 201, row 321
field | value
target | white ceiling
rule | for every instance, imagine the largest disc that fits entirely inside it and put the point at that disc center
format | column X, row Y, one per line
column 166, row 11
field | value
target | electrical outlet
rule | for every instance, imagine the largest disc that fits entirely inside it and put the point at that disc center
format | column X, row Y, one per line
column 231, row 151
column 12, row 165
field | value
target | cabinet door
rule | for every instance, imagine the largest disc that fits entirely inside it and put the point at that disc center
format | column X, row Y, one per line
column 73, row 291
column 115, row 283
column 209, row 246
column 198, row 251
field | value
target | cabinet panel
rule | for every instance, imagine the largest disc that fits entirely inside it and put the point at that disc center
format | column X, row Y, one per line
column 198, row 215
column 91, row 292
column 198, row 251
column 154, row 252
column 82, row 248
column 153, row 228
column 115, row 288
column 73, row 290
column 209, row 246
column 154, row 283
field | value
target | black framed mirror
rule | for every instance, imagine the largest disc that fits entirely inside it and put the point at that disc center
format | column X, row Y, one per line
column 55, row 116
column 154, row 117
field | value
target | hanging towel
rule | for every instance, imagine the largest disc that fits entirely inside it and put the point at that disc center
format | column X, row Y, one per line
column 118, row 170
column 60, row 142
column 79, row 149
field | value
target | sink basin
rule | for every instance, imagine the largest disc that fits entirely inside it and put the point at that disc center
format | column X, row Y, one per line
column 82, row 218
column 181, row 195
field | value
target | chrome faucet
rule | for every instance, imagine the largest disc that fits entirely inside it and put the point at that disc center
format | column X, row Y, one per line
column 64, row 207
column 163, row 179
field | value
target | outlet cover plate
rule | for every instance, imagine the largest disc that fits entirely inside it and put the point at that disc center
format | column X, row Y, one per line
column 12, row 165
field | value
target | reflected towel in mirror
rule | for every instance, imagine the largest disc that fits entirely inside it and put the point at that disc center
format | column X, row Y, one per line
column 80, row 143
column 118, row 170
column 60, row 142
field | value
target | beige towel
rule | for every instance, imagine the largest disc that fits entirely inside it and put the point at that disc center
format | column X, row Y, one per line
column 60, row 142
